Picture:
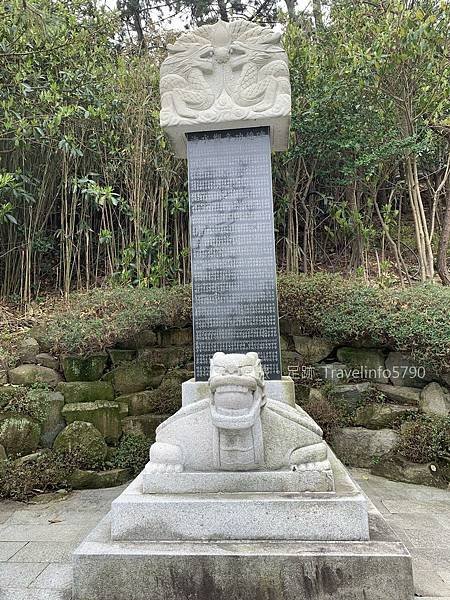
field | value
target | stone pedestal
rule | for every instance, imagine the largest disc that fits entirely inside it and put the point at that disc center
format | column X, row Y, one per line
column 379, row 569
column 239, row 535
column 265, row 515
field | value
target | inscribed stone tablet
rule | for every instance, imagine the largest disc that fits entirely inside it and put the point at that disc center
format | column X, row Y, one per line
column 233, row 247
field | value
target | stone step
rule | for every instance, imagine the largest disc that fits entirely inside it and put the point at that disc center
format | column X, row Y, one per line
column 338, row 515
column 379, row 569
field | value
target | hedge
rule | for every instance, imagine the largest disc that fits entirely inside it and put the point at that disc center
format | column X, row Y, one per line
column 415, row 320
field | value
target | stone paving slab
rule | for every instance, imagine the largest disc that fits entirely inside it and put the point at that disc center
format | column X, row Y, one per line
column 9, row 549
column 33, row 594
column 54, row 576
column 421, row 518
column 33, row 551
column 24, row 573
column 55, row 552
column 430, row 582
column 41, row 533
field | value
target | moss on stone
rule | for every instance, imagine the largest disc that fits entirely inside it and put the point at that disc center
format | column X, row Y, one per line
column 120, row 355
column 81, row 479
column 135, row 376
column 85, row 442
column 84, row 368
column 105, row 416
column 166, row 399
column 19, row 435
column 86, row 391
column 144, row 425
column 31, row 374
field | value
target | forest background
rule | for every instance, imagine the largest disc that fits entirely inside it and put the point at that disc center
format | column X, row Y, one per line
column 90, row 193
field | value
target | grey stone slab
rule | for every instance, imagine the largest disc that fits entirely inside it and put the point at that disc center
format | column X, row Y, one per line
column 222, row 481
column 54, row 576
column 421, row 564
column 401, row 492
column 439, row 557
column 55, row 552
column 34, row 594
column 105, row 570
column 403, row 506
column 9, row 549
column 4, row 516
column 62, row 517
column 403, row 536
column 378, row 503
column 424, row 537
column 413, row 520
column 429, row 583
column 14, row 574
column 445, row 576
column 249, row 516
column 56, row 532
column 443, row 519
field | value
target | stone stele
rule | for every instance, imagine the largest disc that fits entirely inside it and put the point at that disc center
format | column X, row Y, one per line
column 224, row 508
column 226, row 76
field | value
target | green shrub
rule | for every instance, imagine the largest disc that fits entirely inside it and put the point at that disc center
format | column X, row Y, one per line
column 375, row 396
column 415, row 320
column 22, row 480
column 133, row 452
column 425, row 439
column 166, row 399
column 344, row 407
column 105, row 317
column 325, row 414
column 31, row 402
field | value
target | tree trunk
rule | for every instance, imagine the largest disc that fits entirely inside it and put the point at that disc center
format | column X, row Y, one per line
column 442, row 267
column 424, row 247
column 317, row 13
column 138, row 26
column 223, row 10
column 290, row 5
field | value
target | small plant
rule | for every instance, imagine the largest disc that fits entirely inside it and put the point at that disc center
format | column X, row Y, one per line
column 375, row 396
column 327, row 416
column 31, row 402
column 132, row 452
column 345, row 409
column 425, row 438
column 21, row 480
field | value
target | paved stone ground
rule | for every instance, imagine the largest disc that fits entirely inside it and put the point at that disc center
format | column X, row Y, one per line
column 36, row 540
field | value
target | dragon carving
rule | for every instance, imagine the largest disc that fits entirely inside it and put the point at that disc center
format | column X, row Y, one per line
column 225, row 71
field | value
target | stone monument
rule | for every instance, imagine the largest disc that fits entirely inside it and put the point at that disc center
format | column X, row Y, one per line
column 241, row 497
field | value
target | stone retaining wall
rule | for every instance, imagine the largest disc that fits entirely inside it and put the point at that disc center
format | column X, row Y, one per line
column 100, row 397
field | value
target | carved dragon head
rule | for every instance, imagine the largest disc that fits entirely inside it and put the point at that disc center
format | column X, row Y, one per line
column 237, row 389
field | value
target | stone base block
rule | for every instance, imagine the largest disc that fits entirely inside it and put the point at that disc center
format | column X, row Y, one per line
column 210, row 482
column 379, row 569
column 339, row 515
column 222, row 481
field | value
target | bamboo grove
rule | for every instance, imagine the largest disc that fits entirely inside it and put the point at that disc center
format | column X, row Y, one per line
column 90, row 192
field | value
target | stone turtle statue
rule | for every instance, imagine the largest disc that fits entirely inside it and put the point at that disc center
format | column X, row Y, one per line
column 237, row 428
